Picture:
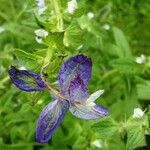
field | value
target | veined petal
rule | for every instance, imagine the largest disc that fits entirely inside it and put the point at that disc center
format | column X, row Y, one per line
column 77, row 65
column 77, row 90
column 50, row 118
column 100, row 110
column 95, row 95
column 26, row 80
column 88, row 111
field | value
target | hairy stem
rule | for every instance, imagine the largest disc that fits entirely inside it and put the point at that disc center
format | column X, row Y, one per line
column 58, row 14
column 55, row 92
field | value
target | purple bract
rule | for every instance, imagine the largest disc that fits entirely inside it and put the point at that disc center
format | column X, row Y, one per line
column 78, row 65
column 73, row 78
column 50, row 118
column 26, row 80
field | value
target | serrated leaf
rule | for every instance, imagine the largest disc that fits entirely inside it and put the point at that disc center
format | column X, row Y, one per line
column 55, row 41
column 29, row 60
column 106, row 127
column 126, row 66
column 79, row 12
column 135, row 138
column 73, row 36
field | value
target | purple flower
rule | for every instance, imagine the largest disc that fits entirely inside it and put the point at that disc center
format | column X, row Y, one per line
column 74, row 96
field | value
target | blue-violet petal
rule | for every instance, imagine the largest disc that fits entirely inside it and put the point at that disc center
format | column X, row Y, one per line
column 26, row 80
column 77, row 65
column 77, row 91
column 50, row 118
column 88, row 111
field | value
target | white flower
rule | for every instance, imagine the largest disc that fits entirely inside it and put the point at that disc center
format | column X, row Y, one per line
column 72, row 6
column 90, row 15
column 41, row 6
column 141, row 59
column 2, row 29
column 97, row 143
column 38, row 40
column 138, row 113
column 106, row 26
column 41, row 33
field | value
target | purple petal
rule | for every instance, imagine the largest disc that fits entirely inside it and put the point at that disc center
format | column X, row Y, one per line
column 88, row 111
column 77, row 90
column 78, row 65
column 26, row 80
column 100, row 110
column 49, row 119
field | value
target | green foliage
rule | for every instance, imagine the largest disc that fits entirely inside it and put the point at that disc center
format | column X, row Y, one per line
column 116, row 35
column 106, row 128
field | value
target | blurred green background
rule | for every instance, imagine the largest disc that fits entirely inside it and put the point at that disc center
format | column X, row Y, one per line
column 116, row 37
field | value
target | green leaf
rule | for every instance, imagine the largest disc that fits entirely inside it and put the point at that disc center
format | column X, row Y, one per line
column 136, row 130
column 106, row 127
column 144, row 90
column 127, row 66
column 135, row 138
column 55, row 41
column 122, row 43
column 31, row 61
column 73, row 36
column 115, row 143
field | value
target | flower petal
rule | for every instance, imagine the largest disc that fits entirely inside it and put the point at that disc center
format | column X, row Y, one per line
column 49, row 119
column 77, row 65
column 26, row 80
column 88, row 111
column 95, row 95
column 77, row 91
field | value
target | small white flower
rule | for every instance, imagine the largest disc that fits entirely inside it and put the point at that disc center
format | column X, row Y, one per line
column 41, row 33
column 106, row 26
column 72, row 6
column 2, row 29
column 90, row 15
column 141, row 59
column 97, row 143
column 41, row 6
column 79, row 47
column 138, row 113
column 38, row 40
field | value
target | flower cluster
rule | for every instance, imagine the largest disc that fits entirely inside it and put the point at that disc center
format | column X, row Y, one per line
column 73, row 78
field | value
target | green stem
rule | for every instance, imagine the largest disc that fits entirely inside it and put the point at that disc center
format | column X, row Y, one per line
column 55, row 92
column 58, row 14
